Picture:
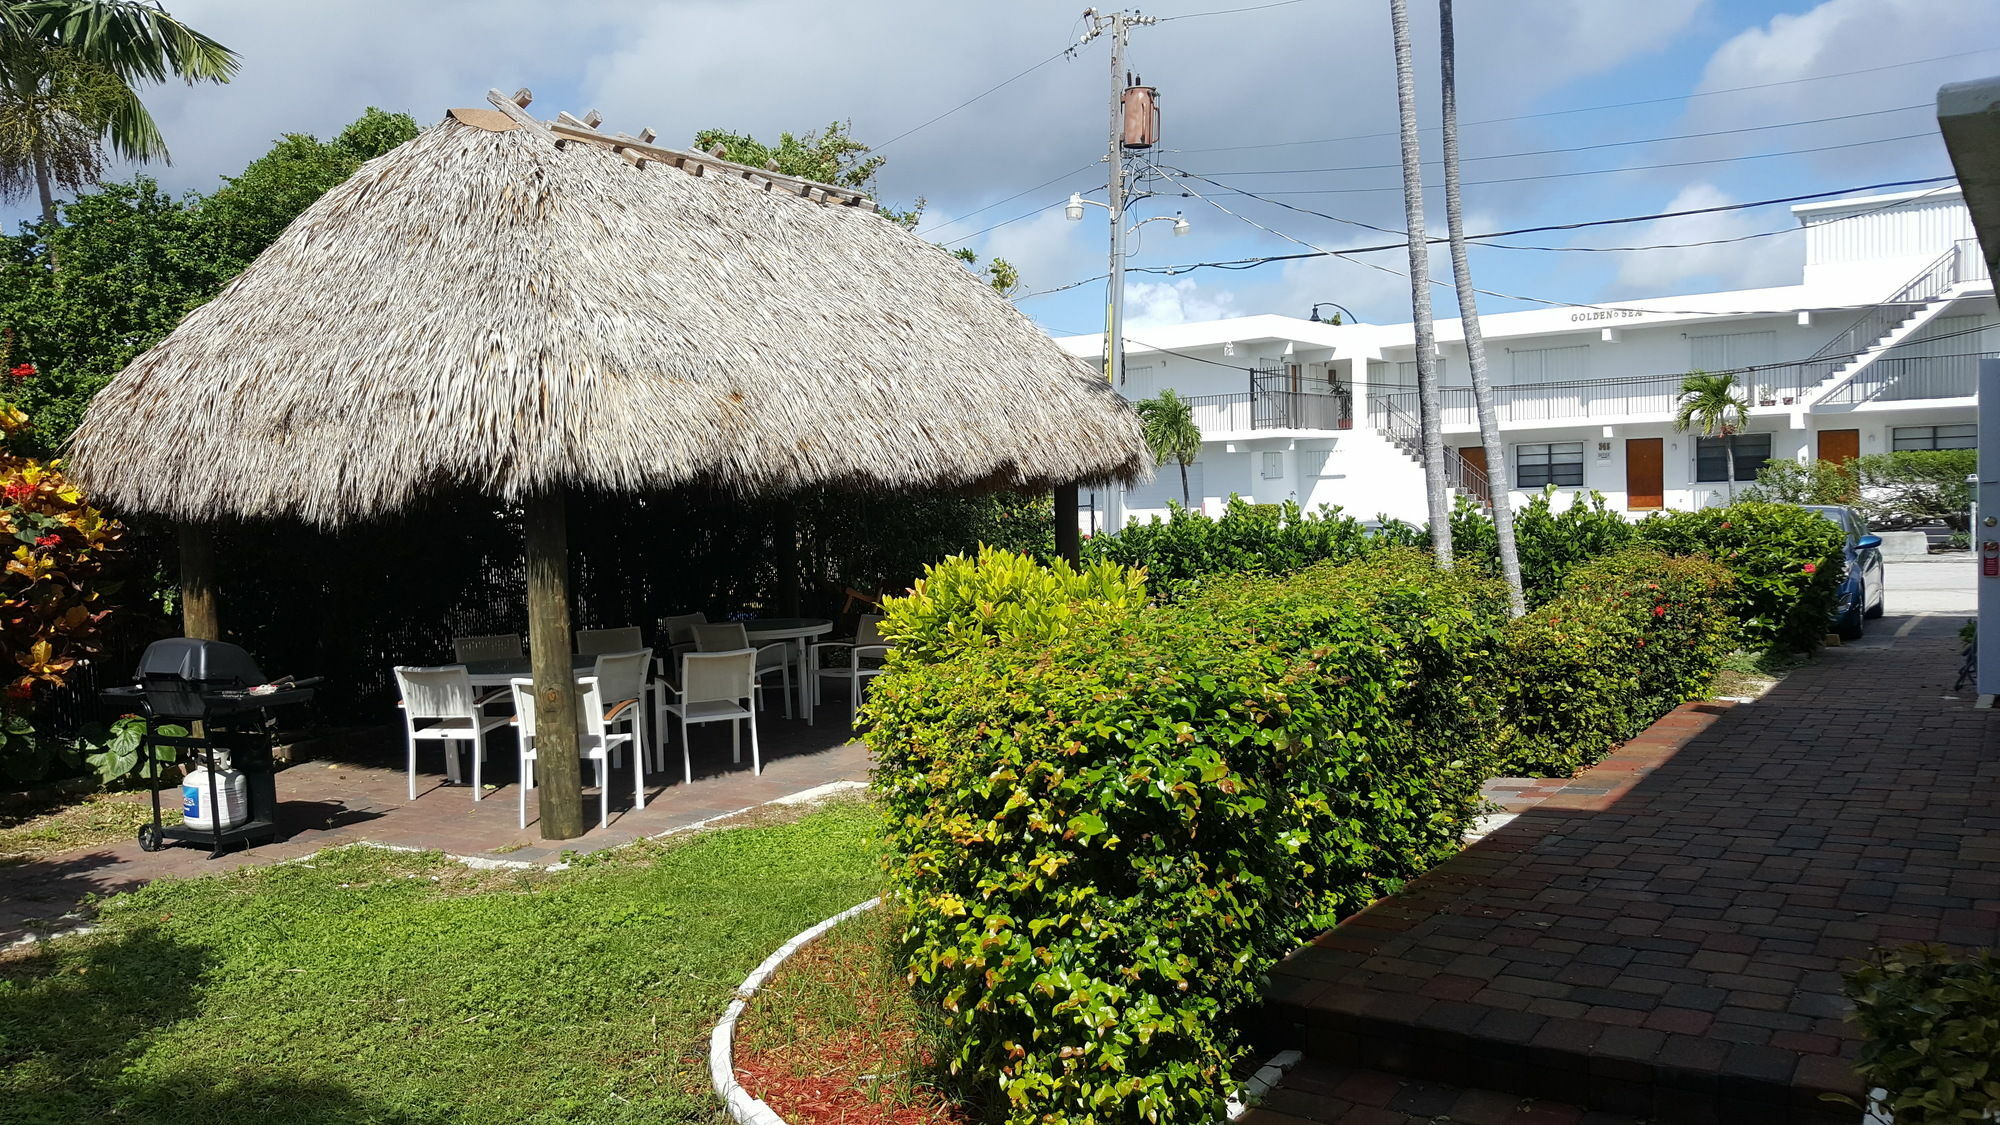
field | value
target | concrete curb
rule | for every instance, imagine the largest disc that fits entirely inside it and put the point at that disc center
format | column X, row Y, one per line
column 743, row 1108
column 747, row 1110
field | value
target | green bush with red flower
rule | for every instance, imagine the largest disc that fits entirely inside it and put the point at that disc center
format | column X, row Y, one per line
column 1788, row 564
column 53, row 590
column 1626, row 639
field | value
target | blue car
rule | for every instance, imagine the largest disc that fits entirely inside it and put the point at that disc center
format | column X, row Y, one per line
column 1861, row 589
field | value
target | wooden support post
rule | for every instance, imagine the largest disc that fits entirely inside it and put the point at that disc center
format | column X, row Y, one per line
column 557, row 781
column 198, row 608
column 1069, row 538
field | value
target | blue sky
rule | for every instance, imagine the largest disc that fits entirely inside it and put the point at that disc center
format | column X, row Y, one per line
column 1296, row 72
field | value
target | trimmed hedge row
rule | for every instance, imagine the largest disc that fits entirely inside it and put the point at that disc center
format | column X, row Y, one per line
column 1788, row 564
column 1627, row 639
column 1105, row 834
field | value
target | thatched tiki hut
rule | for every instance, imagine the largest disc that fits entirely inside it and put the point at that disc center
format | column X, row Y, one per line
column 524, row 307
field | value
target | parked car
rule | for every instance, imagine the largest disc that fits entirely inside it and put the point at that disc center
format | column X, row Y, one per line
column 1862, row 589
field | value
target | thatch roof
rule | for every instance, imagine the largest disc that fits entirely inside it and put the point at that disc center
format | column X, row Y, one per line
column 510, row 305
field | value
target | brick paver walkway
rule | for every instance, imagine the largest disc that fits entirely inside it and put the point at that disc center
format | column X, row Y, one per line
column 1664, row 935
column 363, row 796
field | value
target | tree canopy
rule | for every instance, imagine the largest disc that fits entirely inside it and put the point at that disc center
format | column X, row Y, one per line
column 134, row 260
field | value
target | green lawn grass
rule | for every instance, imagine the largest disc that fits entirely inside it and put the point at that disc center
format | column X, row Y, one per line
column 374, row 986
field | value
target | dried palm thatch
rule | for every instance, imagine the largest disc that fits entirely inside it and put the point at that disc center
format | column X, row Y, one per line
column 514, row 306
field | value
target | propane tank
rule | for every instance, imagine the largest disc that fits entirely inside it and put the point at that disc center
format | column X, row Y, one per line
column 232, row 795
column 1142, row 116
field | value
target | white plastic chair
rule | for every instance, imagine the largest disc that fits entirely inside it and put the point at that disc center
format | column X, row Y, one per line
column 440, row 705
column 593, row 743
column 497, row 646
column 590, row 642
column 866, row 645
column 729, row 636
column 717, row 687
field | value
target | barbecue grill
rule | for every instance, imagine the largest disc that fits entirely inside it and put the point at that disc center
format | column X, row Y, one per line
column 203, row 698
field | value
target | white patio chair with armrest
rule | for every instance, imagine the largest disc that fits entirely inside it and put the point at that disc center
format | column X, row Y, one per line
column 440, row 705
column 867, row 645
column 623, row 679
column 717, row 687
column 594, row 743
column 728, row 636
column 592, row 642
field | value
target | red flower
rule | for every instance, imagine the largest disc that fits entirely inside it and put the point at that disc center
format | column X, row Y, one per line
column 18, row 490
column 49, row 540
column 1725, row 525
column 1658, row 610
column 22, row 371
column 1811, row 569
column 21, row 689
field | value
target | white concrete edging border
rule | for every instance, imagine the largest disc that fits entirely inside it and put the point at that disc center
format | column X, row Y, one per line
column 747, row 1110
column 743, row 1108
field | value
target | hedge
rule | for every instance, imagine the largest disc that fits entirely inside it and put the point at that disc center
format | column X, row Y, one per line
column 1787, row 562
column 1105, row 830
column 1187, row 546
column 1551, row 543
column 1931, row 1018
column 1627, row 639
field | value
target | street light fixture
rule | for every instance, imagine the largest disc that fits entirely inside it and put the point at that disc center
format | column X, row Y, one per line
column 1351, row 318
column 1073, row 211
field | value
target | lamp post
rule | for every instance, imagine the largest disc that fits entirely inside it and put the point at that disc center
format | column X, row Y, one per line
column 1351, row 318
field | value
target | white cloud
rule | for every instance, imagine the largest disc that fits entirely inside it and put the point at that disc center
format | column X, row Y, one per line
column 1747, row 264
column 1150, row 304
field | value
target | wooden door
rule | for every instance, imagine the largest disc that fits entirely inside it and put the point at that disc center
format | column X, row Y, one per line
column 1473, row 458
column 1839, row 446
column 1645, row 486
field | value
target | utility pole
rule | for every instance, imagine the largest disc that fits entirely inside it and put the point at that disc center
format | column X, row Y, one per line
column 1118, row 25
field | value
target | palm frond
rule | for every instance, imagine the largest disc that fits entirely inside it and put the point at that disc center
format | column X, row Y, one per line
column 136, row 41
column 131, row 130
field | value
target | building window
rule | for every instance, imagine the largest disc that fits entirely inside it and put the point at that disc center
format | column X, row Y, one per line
column 1274, row 466
column 1559, row 463
column 1551, row 365
column 1962, row 436
column 1711, row 457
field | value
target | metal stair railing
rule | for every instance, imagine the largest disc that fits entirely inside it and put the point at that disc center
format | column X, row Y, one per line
column 1853, row 343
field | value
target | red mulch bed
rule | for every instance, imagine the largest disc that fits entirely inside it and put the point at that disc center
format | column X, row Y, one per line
column 832, row 1038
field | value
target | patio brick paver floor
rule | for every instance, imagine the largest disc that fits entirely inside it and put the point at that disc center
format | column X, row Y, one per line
column 1664, row 935
column 1316, row 1092
column 362, row 796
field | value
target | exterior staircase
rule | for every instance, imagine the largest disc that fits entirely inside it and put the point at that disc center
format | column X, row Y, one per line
column 1405, row 432
column 1902, row 315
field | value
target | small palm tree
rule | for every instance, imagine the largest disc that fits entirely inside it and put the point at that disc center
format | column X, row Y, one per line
column 1714, row 405
column 1171, row 432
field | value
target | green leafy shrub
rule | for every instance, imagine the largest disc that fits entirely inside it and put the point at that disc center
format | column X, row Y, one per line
column 1629, row 638
column 999, row 595
column 1551, row 543
column 1179, row 551
column 1819, row 482
column 1787, row 561
column 1932, row 1022
column 1917, row 487
column 1105, row 833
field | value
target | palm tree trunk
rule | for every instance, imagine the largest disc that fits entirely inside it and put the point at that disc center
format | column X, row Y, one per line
column 1468, row 318
column 42, row 186
column 1729, row 452
column 1430, row 401
column 1186, row 500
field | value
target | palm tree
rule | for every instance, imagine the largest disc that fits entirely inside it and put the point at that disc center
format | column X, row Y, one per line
column 1430, row 401
column 1171, row 432
column 67, row 72
column 1468, row 319
column 1714, row 405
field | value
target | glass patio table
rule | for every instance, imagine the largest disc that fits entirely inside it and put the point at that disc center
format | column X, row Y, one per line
column 795, row 633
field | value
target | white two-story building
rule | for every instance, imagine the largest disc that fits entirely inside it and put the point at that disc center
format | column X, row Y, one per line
column 1874, row 350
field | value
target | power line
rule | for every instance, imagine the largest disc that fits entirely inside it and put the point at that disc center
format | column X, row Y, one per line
column 1230, row 11
column 1263, row 260
column 970, row 100
column 1019, row 217
column 1594, row 147
column 1617, row 105
column 1604, row 171
column 1009, row 199
column 1890, row 206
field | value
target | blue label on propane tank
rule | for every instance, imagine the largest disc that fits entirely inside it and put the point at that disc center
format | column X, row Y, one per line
column 190, row 802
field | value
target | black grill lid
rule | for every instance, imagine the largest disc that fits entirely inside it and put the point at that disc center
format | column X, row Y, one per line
column 212, row 664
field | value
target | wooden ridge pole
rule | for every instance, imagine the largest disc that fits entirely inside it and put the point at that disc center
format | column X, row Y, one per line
column 199, row 613
column 557, row 779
